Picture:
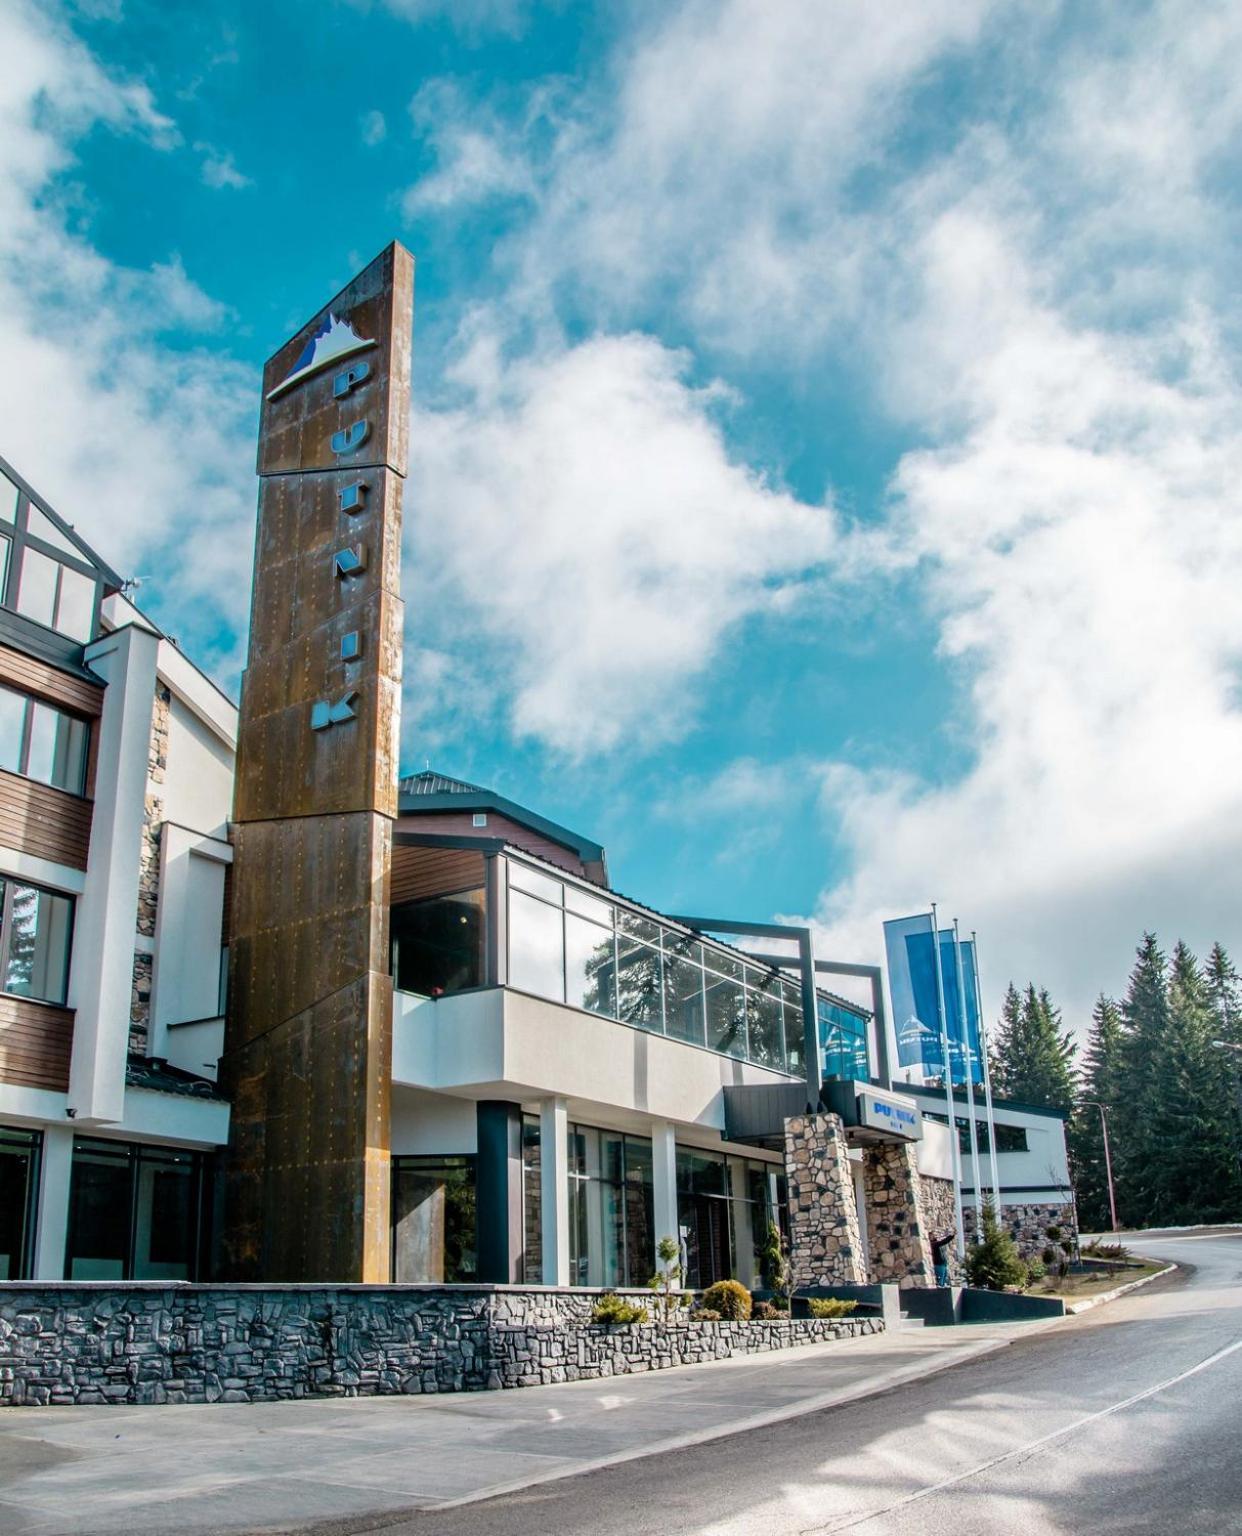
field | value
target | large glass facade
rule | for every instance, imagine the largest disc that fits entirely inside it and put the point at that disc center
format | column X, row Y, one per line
column 438, row 944
column 724, row 1205
column 433, row 1220
column 36, row 934
column 611, row 1207
column 843, row 1041
column 135, row 1212
column 573, row 947
column 19, row 1182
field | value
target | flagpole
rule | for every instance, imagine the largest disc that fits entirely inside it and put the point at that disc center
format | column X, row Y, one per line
column 987, row 1074
column 970, row 1080
column 948, row 1088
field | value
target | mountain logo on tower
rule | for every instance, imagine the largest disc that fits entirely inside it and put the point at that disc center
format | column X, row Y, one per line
column 332, row 338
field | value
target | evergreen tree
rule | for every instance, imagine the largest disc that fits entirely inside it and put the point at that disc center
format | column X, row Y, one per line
column 1224, row 989
column 1138, row 1144
column 1194, row 1179
column 1005, row 1040
column 1101, row 1083
column 1034, row 1055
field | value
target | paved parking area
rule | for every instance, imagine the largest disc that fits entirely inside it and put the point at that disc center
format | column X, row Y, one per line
column 239, row 1467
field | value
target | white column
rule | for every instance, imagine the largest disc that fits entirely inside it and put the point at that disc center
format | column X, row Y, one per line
column 664, row 1176
column 554, row 1189
column 52, row 1213
column 102, row 974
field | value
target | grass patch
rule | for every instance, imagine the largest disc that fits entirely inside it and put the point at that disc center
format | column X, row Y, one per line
column 1092, row 1283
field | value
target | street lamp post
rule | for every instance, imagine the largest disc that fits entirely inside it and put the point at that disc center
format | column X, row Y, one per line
column 1108, row 1161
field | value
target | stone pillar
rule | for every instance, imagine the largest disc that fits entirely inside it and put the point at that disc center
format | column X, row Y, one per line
column 554, row 1190
column 825, row 1244
column 897, row 1232
column 940, row 1215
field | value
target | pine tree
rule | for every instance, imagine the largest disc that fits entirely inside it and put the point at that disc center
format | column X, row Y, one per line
column 1145, row 1016
column 1194, row 1178
column 1224, row 989
column 1034, row 1055
column 1101, row 1083
column 1005, row 1043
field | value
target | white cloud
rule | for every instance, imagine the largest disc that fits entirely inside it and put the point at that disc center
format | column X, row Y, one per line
column 471, row 17
column 219, row 170
column 580, row 513
column 373, row 128
column 1031, row 273
column 477, row 160
column 146, row 449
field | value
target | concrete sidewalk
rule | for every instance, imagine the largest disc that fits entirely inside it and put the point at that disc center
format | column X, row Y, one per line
column 225, row 1467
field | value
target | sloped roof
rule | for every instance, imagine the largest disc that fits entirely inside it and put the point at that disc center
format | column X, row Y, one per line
column 431, row 791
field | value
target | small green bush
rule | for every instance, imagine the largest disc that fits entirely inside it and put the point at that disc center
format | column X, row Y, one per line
column 615, row 1309
column 1036, row 1269
column 730, row 1298
column 829, row 1306
column 993, row 1263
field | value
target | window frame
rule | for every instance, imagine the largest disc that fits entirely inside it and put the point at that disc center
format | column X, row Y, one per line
column 21, row 539
column 22, row 770
column 8, row 884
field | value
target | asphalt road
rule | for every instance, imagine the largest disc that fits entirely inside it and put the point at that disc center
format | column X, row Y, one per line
column 1125, row 1419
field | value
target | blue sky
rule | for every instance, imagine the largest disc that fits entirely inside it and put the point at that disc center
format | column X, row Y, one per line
column 827, row 423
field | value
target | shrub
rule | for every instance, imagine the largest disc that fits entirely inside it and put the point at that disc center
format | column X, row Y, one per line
column 773, row 1263
column 730, row 1298
column 667, row 1278
column 764, row 1312
column 1048, row 1256
column 1036, row 1269
column 994, row 1263
column 705, row 1315
column 829, row 1306
column 612, row 1308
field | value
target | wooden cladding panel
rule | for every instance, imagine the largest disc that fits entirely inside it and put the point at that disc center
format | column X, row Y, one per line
column 461, row 824
column 35, row 677
column 36, row 1041
column 46, row 822
column 421, row 872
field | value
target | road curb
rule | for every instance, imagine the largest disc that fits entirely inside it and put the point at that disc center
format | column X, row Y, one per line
column 1096, row 1301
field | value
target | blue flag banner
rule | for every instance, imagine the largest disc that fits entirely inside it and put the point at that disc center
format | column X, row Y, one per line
column 916, row 1014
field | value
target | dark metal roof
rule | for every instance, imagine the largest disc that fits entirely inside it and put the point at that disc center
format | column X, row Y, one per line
column 431, row 791
column 154, row 1073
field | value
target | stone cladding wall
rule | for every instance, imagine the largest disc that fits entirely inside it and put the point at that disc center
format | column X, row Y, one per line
column 247, row 1344
column 1028, row 1225
column 940, row 1214
column 149, row 870
column 140, row 1002
column 897, row 1230
column 825, row 1241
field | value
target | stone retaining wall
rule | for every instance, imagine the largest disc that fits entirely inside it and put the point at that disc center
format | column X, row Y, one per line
column 151, row 1343
column 1028, row 1224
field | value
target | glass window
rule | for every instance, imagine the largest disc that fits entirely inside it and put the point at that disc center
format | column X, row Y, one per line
column 43, row 528
column 726, row 965
column 763, row 1017
column 536, row 947
column 791, row 998
column 19, row 1180
column 532, row 1202
column 36, row 593
column 8, row 500
column 35, row 942
column 12, row 729
column 638, row 927
column 6, row 548
column 611, row 1197
column 726, row 1015
column 437, row 945
column 134, row 1212
column 723, row 1209
column 683, row 1000
column 57, row 753
column 527, row 879
column 590, row 966
column 843, row 1041
column 75, row 611
column 433, row 1220
column 588, row 906
column 639, row 984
